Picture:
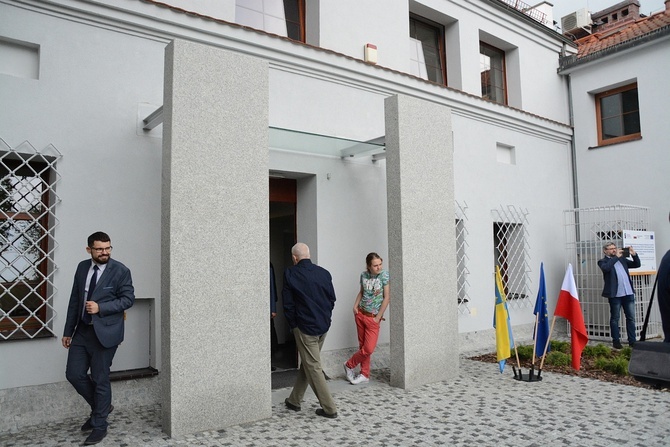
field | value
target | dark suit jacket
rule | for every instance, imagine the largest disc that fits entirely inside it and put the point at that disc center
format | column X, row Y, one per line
column 606, row 264
column 113, row 292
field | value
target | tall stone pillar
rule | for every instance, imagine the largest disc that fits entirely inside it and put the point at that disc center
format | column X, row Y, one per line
column 215, row 243
column 422, row 242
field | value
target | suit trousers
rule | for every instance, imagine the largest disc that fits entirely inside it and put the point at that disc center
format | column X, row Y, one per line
column 311, row 373
column 86, row 353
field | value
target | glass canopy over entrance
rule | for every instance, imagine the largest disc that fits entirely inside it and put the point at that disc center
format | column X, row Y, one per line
column 297, row 141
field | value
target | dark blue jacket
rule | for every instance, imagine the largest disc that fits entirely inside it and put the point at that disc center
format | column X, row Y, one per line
column 114, row 294
column 309, row 297
column 606, row 264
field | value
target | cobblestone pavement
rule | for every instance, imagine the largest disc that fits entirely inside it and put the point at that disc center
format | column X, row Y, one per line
column 481, row 407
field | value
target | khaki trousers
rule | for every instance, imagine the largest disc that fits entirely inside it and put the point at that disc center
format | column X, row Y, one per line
column 311, row 373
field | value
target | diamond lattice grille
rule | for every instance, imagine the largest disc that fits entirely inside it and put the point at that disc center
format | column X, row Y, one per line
column 28, row 198
column 510, row 236
column 462, row 271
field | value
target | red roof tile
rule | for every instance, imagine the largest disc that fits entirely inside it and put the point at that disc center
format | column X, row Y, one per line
column 612, row 37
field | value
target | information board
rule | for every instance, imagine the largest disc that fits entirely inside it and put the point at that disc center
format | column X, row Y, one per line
column 644, row 244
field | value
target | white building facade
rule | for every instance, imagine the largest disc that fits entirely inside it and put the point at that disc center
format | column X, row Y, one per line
column 79, row 78
column 625, row 163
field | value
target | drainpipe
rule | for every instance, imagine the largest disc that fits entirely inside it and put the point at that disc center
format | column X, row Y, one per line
column 573, row 149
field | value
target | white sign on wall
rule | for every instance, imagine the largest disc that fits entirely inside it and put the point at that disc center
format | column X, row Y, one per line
column 644, row 244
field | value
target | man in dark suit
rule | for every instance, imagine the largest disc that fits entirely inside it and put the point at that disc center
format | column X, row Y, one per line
column 309, row 299
column 663, row 276
column 101, row 293
column 619, row 289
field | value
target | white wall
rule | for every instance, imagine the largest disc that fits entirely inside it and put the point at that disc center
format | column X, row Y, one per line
column 635, row 172
column 94, row 78
column 91, row 84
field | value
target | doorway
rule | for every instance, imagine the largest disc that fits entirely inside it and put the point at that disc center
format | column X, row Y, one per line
column 283, row 201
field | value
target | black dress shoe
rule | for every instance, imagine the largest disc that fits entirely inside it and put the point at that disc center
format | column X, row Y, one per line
column 96, row 436
column 290, row 406
column 87, row 425
column 322, row 412
column 617, row 345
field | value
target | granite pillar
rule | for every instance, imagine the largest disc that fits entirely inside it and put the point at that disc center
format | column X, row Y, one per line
column 422, row 242
column 215, row 241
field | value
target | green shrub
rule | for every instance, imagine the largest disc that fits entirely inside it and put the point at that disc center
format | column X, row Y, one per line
column 589, row 351
column 560, row 346
column 626, row 352
column 617, row 365
column 525, row 352
column 557, row 358
column 601, row 350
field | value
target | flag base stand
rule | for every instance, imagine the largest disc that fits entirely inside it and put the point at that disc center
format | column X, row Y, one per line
column 530, row 377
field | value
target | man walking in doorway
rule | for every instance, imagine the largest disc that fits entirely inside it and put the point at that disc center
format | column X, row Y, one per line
column 618, row 289
column 309, row 299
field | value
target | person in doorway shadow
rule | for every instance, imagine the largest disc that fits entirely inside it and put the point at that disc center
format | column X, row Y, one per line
column 274, row 341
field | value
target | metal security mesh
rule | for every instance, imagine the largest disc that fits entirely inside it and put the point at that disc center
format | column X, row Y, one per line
column 587, row 230
column 462, row 271
column 510, row 238
column 27, row 220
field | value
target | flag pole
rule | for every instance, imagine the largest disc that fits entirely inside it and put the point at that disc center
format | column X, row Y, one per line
column 537, row 322
column 518, row 363
column 551, row 331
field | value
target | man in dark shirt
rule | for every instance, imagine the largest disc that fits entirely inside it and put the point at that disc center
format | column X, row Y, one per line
column 309, row 298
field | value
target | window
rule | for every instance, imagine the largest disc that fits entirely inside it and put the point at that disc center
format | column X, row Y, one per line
column 492, row 71
column 27, row 201
column 511, row 254
column 462, row 271
column 427, row 55
column 618, row 115
column 284, row 18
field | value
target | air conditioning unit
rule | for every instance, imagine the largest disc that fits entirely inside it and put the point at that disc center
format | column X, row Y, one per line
column 578, row 19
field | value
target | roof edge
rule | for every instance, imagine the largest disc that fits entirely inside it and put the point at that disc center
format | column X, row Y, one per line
column 568, row 62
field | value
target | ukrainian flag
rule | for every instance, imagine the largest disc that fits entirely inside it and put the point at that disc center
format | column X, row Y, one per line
column 504, row 339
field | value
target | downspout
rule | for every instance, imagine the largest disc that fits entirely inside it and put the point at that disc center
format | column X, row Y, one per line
column 573, row 148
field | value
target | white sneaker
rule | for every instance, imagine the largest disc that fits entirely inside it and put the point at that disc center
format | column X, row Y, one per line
column 349, row 373
column 360, row 379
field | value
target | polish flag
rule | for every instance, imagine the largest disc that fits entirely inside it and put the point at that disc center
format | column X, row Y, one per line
column 568, row 307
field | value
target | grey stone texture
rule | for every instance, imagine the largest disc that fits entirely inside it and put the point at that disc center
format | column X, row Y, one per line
column 215, row 346
column 420, row 197
column 479, row 408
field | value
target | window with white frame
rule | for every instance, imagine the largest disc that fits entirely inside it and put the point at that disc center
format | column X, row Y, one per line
column 27, row 203
column 282, row 17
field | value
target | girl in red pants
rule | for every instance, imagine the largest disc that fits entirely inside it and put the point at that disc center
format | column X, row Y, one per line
column 369, row 307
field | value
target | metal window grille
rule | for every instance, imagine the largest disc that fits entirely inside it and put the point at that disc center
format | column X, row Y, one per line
column 462, row 271
column 27, row 220
column 510, row 238
column 587, row 230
